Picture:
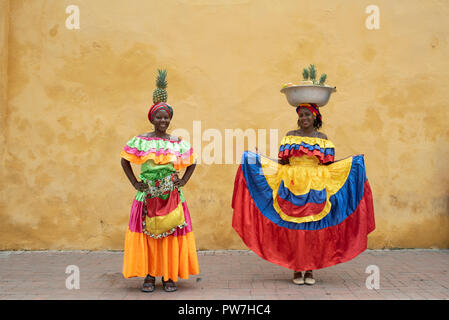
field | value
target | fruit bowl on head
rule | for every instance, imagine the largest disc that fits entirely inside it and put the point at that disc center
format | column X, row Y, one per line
column 308, row 93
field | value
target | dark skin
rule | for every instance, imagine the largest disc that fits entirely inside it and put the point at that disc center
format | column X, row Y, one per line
column 306, row 120
column 160, row 122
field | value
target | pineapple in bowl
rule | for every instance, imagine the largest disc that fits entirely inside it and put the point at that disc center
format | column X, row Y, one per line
column 310, row 90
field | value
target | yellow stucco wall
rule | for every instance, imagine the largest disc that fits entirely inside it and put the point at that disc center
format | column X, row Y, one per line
column 70, row 99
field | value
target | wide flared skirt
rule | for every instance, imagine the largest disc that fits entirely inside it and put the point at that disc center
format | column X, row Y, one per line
column 335, row 238
column 169, row 257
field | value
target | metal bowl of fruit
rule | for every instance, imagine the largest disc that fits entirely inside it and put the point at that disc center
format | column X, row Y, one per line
column 310, row 90
column 308, row 93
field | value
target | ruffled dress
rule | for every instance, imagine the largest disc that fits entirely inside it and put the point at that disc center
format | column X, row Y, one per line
column 159, row 239
column 308, row 214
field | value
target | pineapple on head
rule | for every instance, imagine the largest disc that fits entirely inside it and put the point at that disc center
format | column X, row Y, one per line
column 160, row 94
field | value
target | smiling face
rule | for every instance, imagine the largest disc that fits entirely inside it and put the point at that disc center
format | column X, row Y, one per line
column 161, row 120
column 306, row 118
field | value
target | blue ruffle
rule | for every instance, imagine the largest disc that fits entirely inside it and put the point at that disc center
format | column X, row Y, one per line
column 313, row 196
column 295, row 146
column 344, row 202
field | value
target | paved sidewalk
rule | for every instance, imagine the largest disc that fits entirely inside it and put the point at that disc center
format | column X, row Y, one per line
column 404, row 274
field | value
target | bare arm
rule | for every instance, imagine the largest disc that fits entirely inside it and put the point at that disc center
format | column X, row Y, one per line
column 323, row 136
column 283, row 162
column 140, row 186
column 185, row 178
column 280, row 161
column 286, row 161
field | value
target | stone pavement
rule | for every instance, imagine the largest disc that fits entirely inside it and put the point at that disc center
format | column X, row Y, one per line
column 412, row 274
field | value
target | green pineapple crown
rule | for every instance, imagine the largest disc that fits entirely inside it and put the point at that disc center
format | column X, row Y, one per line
column 310, row 73
column 323, row 79
column 160, row 94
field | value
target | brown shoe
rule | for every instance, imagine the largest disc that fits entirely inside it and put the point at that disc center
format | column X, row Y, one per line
column 148, row 284
column 169, row 286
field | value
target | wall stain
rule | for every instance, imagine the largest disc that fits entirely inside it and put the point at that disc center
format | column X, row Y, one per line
column 434, row 42
column 369, row 53
column 53, row 31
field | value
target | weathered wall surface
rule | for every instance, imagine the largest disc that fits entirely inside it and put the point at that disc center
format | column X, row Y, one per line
column 4, row 30
column 72, row 98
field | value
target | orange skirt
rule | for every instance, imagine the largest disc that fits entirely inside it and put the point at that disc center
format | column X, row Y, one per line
column 170, row 257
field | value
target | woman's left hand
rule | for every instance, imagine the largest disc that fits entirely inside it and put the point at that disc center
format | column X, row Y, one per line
column 179, row 182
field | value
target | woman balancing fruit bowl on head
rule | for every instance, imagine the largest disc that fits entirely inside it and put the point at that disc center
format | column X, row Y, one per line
column 159, row 239
column 304, row 211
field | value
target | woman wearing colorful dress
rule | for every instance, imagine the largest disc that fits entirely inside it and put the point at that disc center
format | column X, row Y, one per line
column 304, row 211
column 159, row 239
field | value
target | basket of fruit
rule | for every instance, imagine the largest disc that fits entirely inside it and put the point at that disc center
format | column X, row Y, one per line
column 310, row 90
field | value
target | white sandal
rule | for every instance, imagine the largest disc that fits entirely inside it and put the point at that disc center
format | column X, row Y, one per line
column 308, row 278
column 298, row 280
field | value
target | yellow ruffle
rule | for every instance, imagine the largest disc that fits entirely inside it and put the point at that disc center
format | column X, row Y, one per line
column 323, row 143
column 303, row 174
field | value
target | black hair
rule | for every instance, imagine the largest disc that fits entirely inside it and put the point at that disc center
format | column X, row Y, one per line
column 318, row 123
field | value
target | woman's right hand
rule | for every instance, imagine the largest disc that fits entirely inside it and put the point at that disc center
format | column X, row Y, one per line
column 140, row 186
